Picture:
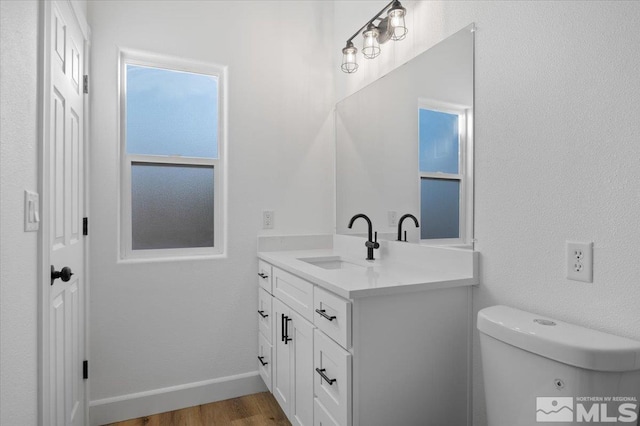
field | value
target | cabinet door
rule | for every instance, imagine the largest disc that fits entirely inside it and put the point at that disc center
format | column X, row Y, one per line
column 264, row 360
column 265, row 316
column 332, row 381
column 320, row 415
column 301, row 331
column 332, row 316
column 281, row 358
column 264, row 275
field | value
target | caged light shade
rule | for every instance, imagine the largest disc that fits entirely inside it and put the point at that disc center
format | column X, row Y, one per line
column 397, row 26
column 391, row 27
column 370, row 44
column 349, row 64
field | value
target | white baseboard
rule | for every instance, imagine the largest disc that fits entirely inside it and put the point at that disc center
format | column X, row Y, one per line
column 131, row 406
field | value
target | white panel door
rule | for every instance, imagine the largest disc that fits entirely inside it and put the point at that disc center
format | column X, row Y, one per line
column 63, row 168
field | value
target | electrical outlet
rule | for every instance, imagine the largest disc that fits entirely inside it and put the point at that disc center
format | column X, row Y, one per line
column 393, row 218
column 267, row 219
column 580, row 261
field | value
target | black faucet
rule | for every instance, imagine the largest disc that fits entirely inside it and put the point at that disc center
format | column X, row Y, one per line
column 400, row 226
column 371, row 243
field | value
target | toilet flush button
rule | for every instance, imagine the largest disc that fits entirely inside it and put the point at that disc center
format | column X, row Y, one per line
column 544, row 322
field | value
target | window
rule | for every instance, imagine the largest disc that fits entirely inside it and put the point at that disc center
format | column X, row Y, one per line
column 172, row 145
column 446, row 190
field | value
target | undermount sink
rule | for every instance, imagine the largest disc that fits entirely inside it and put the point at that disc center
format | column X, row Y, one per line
column 330, row 262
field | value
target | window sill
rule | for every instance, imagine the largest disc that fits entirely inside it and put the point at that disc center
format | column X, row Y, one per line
column 173, row 258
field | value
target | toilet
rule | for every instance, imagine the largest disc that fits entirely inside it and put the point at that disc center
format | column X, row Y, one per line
column 540, row 371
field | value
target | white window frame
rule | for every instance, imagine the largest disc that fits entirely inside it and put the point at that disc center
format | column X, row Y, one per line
column 219, row 249
column 465, row 169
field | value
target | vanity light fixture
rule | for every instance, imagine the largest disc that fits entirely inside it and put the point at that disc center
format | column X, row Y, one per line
column 370, row 45
column 391, row 27
column 349, row 63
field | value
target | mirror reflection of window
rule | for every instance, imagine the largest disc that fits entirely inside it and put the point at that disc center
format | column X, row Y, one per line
column 439, row 141
column 442, row 134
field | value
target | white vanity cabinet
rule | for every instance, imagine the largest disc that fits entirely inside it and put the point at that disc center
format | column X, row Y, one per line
column 289, row 373
column 396, row 357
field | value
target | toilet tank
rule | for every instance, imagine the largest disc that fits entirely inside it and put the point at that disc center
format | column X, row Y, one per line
column 539, row 370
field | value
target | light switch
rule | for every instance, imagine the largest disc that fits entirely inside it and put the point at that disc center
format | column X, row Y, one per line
column 31, row 211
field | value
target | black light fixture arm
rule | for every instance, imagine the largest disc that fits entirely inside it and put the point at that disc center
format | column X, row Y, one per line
column 377, row 16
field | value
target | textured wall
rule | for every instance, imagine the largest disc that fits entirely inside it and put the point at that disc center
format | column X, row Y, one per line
column 557, row 152
column 155, row 325
column 18, row 250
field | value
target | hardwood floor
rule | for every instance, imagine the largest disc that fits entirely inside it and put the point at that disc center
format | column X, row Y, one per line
column 260, row 409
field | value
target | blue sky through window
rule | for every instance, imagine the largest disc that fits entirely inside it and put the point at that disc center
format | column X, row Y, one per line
column 171, row 113
column 439, row 141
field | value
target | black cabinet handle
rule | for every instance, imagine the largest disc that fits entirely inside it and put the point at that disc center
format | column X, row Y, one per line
column 263, row 276
column 285, row 329
column 322, row 313
column 260, row 358
column 282, row 323
column 324, row 376
column 262, row 314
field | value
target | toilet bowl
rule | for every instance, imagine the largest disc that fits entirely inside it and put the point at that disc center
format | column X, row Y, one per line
column 540, row 371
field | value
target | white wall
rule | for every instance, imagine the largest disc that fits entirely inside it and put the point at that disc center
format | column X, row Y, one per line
column 557, row 152
column 157, row 325
column 18, row 250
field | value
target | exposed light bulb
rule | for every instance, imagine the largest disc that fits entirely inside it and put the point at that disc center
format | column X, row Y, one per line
column 397, row 26
column 371, row 47
column 349, row 63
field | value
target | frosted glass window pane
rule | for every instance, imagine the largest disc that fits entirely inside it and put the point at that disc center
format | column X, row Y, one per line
column 171, row 206
column 439, row 142
column 171, row 113
column 439, row 208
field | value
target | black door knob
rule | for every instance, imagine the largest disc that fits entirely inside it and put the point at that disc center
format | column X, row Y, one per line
column 64, row 274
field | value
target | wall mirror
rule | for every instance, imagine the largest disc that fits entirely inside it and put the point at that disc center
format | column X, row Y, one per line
column 404, row 144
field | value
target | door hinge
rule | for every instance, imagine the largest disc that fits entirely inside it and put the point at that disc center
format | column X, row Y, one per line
column 85, row 369
column 85, row 226
column 85, row 84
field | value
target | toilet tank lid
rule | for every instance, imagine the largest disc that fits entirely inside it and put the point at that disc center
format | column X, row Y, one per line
column 560, row 341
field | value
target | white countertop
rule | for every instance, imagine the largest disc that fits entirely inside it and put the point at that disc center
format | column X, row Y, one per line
column 371, row 278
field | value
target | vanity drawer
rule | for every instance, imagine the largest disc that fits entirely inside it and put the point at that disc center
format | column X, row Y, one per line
column 332, row 377
column 264, row 275
column 321, row 416
column 264, row 359
column 265, row 317
column 332, row 314
column 295, row 292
